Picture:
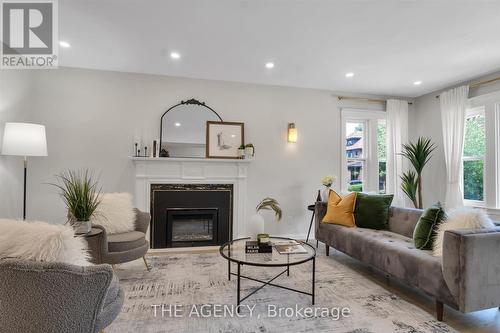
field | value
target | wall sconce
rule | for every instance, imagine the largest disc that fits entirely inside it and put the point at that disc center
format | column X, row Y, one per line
column 292, row 133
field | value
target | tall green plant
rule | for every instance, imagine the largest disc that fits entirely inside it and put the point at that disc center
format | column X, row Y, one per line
column 79, row 192
column 418, row 154
column 409, row 186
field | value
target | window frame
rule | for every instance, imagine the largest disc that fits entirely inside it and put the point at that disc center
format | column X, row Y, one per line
column 471, row 112
column 371, row 173
column 491, row 104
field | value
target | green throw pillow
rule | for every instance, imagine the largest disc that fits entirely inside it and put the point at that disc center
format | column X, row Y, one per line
column 425, row 230
column 372, row 210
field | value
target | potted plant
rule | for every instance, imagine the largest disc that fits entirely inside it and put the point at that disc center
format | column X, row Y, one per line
column 257, row 220
column 249, row 150
column 327, row 182
column 241, row 151
column 79, row 192
column 418, row 154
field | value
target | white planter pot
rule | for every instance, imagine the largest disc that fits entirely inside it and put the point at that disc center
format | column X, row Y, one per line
column 256, row 226
column 249, row 151
column 241, row 152
column 82, row 227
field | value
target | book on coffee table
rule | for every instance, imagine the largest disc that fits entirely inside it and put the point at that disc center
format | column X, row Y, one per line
column 289, row 247
column 256, row 247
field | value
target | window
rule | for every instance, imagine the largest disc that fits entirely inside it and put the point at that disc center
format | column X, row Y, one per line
column 364, row 153
column 381, row 154
column 481, row 156
column 354, row 153
column 474, row 155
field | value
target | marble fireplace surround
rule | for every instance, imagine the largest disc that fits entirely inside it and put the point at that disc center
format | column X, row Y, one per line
column 172, row 170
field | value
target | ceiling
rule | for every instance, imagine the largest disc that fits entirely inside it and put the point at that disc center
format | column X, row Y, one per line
column 313, row 43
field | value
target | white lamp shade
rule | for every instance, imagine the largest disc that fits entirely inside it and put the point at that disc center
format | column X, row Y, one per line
column 22, row 139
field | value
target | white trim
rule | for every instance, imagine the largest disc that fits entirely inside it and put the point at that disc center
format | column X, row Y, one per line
column 484, row 99
column 496, row 155
column 150, row 171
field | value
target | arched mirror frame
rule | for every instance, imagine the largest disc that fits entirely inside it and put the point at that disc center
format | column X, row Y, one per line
column 191, row 101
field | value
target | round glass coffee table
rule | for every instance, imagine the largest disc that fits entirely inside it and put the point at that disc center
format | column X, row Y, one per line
column 234, row 251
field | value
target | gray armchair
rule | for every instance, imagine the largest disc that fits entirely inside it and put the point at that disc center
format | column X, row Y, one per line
column 123, row 247
column 37, row 297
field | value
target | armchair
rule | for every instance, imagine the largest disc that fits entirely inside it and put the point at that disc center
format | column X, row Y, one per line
column 55, row 297
column 122, row 247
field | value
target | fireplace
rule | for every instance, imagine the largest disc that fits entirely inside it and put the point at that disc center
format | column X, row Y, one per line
column 185, row 215
column 192, row 227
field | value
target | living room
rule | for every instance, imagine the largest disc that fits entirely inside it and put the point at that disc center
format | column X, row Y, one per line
column 175, row 152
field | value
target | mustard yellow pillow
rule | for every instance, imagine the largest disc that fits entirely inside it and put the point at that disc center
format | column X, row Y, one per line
column 340, row 210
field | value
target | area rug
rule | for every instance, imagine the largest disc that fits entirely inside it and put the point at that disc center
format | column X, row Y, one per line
column 191, row 293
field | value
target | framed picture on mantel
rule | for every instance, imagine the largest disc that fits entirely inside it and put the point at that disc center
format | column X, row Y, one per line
column 224, row 139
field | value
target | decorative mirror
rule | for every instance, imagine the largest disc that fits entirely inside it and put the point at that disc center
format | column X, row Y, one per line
column 183, row 129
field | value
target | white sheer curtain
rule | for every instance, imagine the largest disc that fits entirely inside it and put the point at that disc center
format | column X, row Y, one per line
column 397, row 134
column 453, row 108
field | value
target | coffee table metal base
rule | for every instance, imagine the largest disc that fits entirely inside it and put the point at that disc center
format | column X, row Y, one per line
column 268, row 282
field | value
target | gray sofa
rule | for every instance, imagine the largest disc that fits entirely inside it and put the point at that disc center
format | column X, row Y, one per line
column 466, row 278
column 38, row 297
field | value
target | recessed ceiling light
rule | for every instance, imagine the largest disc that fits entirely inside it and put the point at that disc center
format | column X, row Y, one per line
column 269, row 65
column 177, row 124
column 64, row 44
column 417, row 83
column 350, row 74
column 175, row 55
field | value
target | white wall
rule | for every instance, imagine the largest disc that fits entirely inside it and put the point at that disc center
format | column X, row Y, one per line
column 16, row 91
column 426, row 121
column 91, row 117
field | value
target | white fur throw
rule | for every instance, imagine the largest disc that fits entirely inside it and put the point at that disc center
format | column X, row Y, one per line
column 115, row 213
column 461, row 218
column 42, row 241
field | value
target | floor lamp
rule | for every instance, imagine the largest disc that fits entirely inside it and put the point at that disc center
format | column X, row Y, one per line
column 22, row 139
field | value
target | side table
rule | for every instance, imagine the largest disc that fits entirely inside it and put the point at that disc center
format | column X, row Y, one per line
column 93, row 238
column 311, row 208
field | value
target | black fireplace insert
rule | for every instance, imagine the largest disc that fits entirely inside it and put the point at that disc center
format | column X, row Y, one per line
column 185, row 215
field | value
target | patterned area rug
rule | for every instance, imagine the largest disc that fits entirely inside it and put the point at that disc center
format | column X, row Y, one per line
column 198, row 285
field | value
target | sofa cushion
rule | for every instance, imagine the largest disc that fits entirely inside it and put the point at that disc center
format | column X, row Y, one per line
column 115, row 213
column 41, row 241
column 340, row 210
column 461, row 218
column 426, row 228
column 125, row 241
column 372, row 210
column 403, row 220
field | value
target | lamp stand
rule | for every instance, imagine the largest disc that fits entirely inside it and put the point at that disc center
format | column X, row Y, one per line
column 24, row 194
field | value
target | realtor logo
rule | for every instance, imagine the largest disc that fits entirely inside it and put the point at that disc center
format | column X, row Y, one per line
column 29, row 34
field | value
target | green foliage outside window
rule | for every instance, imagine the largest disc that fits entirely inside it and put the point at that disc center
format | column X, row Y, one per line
column 474, row 146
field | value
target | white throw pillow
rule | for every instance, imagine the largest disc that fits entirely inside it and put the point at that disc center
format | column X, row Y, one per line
column 115, row 213
column 461, row 218
column 42, row 241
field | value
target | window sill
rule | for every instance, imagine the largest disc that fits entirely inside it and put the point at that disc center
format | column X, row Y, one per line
column 475, row 204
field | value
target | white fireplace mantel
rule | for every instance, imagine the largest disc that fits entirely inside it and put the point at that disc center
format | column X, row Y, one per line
column 171, row 170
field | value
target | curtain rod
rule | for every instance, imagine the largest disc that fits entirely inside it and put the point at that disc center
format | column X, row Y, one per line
column 372, row 100
column 481, row 83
